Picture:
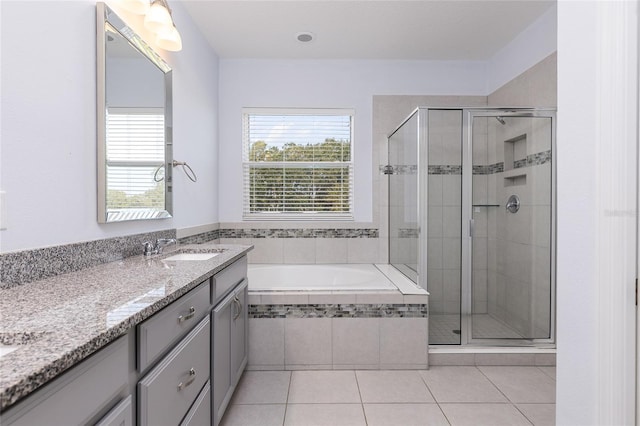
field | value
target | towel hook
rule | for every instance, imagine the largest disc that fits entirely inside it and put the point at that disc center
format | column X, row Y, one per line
column 185, row 168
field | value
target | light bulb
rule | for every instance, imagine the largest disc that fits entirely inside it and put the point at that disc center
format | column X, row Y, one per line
column 139, row 7
column 158, row 18
column 169, row 39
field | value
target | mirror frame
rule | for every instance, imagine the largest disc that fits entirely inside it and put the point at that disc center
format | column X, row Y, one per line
column 106, row 16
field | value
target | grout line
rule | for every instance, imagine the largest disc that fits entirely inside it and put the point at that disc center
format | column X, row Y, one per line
column 286, row 402
column 491, row 381
column 523, row 415
column 364, row 413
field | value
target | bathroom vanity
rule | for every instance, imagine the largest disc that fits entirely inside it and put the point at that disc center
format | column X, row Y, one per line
column 161, row 342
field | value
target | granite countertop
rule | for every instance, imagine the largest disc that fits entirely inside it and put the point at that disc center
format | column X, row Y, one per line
column 59, row 321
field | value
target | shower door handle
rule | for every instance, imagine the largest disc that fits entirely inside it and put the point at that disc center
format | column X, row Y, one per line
column 471, row 227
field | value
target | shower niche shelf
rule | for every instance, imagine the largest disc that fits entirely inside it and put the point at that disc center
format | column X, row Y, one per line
column 515, row 178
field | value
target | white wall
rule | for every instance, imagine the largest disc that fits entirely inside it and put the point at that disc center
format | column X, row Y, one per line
column 596, row 208
column 324, row 84
column 48, row 125
column 531, row 46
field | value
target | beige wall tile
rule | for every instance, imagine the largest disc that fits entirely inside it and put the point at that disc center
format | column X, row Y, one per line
column 307, row 341
column 356, row 341
column 266, row 342
column 403, row 341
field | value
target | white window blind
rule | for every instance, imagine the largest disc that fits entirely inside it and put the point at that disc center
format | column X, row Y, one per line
column 135, row 150
column 297, row 164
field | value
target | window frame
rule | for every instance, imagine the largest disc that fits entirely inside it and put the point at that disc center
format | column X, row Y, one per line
column 247, row 165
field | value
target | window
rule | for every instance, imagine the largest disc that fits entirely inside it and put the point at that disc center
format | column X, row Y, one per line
column 297, row 164
column 135, row 152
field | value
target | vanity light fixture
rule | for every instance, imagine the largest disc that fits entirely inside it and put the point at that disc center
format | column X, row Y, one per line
column 158, row 20
column 139, row 7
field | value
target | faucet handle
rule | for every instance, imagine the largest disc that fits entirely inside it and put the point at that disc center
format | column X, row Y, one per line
column 161, row 242
column 148, row 248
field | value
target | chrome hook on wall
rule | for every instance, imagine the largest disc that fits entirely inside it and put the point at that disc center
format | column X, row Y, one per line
column 185, row 168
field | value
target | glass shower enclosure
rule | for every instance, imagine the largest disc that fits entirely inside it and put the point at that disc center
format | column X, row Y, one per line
column 471, row 219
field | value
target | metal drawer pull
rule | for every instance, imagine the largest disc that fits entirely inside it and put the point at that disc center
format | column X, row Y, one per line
column 192, row 312
column 238, row 309
column 192, row 377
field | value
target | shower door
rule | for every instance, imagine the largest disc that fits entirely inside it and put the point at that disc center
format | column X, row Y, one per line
column 509, row 251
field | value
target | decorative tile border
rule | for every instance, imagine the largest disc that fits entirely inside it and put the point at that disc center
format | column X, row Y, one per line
column 539, row 158
column 489, row 169
column 25, row 266
column 204, row 237
column 339, row 311
column 536, row 159
column 299, row 233
column 445, row 169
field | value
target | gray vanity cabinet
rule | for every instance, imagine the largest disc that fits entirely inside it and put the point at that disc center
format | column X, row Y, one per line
column 229, row 347
column 178, row 367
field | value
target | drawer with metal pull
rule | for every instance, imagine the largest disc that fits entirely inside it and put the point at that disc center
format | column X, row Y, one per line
column 168, row 391
column 226, row 279
column 159, row 332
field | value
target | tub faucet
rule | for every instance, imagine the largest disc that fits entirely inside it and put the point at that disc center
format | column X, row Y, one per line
column 151, row 249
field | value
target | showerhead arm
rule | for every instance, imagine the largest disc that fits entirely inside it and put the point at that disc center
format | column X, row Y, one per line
column 501, row 120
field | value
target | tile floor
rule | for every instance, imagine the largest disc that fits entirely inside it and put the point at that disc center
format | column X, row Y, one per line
column 475, row 396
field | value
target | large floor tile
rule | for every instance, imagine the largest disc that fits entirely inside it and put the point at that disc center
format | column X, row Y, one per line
column 483, row 415
column 404, row 414
column 522, row 384
column 539, row 414
column 389, row 386
column 323, row 387
column 461, row 384
column 262, row 387
column 254, row 415
column 324, row 415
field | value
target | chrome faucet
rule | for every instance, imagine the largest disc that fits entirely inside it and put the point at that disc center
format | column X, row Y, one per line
column 151, row 249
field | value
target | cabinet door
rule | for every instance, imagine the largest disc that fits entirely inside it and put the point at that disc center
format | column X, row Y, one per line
column 239, row 333
column 222, row 318
column 120, row 415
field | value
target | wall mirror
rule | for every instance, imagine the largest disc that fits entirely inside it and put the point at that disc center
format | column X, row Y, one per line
column 134, row 125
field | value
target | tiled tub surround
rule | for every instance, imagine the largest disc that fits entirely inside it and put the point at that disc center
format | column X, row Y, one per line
column 25, row 266
column 307, row 330
column 66, row 318
column 307, row 242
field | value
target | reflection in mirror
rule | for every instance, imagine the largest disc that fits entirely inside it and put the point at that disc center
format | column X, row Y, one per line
column 134, row 125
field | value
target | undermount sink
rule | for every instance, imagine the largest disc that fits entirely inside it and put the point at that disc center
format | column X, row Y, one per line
column 191, row 256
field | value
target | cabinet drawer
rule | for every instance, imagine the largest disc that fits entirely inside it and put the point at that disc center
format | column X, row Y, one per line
column 167, row 392
column 78, row 395
column 156, row 334
column 226, row 279
column 120, row 415
column 200, row 412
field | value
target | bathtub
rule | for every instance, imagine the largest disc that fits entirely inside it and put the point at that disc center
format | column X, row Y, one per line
column 335, row 316
column 333, row 277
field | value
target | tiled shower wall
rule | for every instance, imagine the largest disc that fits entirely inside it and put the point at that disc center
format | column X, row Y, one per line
column 512, row 250
column 519, row 255
column 444, row 211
